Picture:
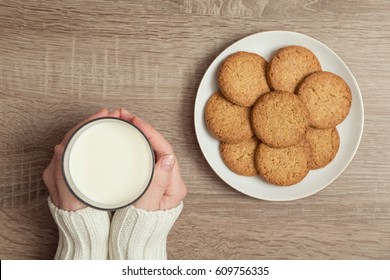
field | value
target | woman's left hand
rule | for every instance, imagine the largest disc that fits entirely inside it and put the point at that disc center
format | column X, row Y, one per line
column 53, row 177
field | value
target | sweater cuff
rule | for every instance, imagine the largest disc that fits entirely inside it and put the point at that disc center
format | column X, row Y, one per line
column 83, row 234
column 139, row 234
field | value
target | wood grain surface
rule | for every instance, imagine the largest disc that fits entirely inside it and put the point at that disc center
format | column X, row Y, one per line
column 60, row 61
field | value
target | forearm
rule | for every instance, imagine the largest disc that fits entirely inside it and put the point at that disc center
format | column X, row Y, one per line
column 83, row 234
column 141, row 234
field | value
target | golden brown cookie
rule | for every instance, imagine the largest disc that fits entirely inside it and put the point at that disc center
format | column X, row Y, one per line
column 241, row 78
column 228, row 122
column 283, row 166
column 279, row 119
column 324, row 145
column 327, row 97
column 289, row 66
column 240, row 157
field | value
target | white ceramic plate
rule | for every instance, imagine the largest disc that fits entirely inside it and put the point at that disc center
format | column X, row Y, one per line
column 350, row 130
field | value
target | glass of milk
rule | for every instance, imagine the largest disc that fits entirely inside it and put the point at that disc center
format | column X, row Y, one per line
column 108, row 163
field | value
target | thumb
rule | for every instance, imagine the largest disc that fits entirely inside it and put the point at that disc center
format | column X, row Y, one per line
column 161, row 178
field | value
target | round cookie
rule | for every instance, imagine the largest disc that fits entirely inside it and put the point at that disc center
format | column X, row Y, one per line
column 241, row 78
column 283, row 166
column 279, row 119
column 228, row 122
column 289, row 66
column 324, row 145
column 327, row 97
column 240, row 157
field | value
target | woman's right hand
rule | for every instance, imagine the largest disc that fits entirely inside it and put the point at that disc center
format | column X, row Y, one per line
column 167, row 188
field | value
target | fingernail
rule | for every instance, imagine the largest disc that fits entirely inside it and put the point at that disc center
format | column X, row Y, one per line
column 168, row 162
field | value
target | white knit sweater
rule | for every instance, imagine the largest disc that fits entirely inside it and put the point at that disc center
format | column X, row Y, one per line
column 132, row 234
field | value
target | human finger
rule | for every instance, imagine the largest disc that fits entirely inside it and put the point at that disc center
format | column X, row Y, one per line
column 162, row 174
column 160, row 145
column 102, row 113
column 126, row 115
column 58, row 152
column 48, row 177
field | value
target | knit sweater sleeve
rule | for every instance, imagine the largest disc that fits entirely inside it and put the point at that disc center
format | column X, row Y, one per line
column 140, row 234
column 83, row 234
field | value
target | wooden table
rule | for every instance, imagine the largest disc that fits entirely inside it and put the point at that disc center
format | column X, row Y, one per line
column 62, row 61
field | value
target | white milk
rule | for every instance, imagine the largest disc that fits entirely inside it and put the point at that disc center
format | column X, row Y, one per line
column 108, row 163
